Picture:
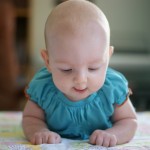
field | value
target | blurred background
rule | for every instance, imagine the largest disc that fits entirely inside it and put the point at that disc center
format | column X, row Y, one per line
column 22, row 38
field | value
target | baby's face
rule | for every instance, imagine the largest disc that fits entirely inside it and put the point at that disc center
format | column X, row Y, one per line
column 77, row 40
column 78, row 63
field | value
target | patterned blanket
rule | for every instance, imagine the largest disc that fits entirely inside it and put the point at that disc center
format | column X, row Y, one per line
column 12, row 137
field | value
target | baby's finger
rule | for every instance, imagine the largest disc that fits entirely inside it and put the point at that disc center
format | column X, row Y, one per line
column 92, row 139
column 38, row 141
column 99, row 140
column 44, row 139
column 106, row 141
column 51, row 140
column 113, row 141
column 32, row 141
column 58, row 139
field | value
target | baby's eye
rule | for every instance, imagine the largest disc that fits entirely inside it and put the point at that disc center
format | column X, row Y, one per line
column 66, row 70
column 93, row 69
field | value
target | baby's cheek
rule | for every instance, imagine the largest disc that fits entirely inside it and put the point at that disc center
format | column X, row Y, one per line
column 62, row 85
column 97, row 84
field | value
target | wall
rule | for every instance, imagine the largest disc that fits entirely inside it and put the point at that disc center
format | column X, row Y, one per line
column 129, row 22
column 39, row 11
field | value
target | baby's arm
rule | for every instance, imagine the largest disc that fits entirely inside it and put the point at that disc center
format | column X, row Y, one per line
column 123, row 130
column 34, row 125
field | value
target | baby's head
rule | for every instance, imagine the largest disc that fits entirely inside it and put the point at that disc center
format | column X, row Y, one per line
column 77, row 51
column 76, row 17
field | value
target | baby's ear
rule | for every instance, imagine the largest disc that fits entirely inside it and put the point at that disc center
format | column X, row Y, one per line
column 111, row 51
column 44, row 54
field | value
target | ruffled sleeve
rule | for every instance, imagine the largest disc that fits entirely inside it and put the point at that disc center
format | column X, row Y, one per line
column 41, row 88
column 115, row 88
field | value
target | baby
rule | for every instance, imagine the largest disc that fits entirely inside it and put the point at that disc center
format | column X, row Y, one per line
column 77, row 96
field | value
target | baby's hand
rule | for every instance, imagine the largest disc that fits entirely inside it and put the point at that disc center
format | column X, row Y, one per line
column 47, row 137
column 103, row 138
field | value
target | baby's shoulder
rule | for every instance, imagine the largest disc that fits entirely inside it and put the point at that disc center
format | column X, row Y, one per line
column 41, row 86
column 43, row 78
column 115, row 78
column 115, row 87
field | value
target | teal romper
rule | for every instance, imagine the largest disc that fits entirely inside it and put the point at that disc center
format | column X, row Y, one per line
column 77, row 120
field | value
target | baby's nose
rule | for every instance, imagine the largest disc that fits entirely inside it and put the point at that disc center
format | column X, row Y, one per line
column 80, row 78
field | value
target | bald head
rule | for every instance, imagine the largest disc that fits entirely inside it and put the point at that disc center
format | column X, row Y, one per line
column 75, row 17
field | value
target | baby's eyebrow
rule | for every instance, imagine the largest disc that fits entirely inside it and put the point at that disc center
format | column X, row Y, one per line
column 97, row 61
column 61, row 62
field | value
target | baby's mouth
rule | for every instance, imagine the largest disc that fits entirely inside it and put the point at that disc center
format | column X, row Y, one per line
column 80, row 90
